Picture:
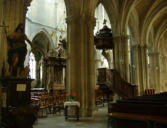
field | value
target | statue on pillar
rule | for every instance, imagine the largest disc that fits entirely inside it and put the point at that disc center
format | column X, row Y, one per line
column 17, row 51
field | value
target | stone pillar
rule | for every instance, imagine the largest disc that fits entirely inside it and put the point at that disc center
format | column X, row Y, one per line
column 155, row 71
column 80, row 61
column 144, row 67
column 163, row 73
column 1, row 33
column 133, row 65
column 117, row 57
column 139, row 82
column 3, row 38
column 121, row 56
column 15, row 12
column 126, row 58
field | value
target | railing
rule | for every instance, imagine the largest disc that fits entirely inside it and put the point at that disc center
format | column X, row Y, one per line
column 118, row 85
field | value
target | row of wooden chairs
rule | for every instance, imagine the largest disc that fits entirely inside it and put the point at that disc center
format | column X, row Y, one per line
column 49, row 103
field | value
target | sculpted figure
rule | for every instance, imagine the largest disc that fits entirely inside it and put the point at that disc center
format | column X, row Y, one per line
column 17, row 50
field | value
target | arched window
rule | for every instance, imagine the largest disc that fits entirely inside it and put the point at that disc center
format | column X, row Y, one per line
column 100, row 15
column 32, row 66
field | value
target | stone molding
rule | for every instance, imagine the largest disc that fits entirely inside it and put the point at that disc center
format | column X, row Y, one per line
column 81, row 19
column 153, row 53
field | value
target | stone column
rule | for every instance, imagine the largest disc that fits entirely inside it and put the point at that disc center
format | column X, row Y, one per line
column 80, row 61
column 126, row 58
column 117, row 56
column 15, row 12
column 162, row 66
column 1, row 53
column 133, row 75
column 155, row 71
column 164, row 74
column 139, row 69
column 144, row 67
column 1, row 33
column 121, row 57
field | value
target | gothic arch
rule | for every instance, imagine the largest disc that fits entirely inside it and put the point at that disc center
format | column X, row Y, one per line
column 127, row 8
column 133, row 23
column 151, row 17
column 42, row 42
column 111, row 8
column 160, row 32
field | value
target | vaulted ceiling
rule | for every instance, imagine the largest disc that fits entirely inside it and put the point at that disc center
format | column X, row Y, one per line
column 147, row 18
column 152, row 17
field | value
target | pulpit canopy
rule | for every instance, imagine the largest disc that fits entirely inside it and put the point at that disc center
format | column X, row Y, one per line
column 103, row 38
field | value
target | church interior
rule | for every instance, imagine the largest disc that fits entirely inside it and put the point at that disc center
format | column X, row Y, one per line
column 83, row 63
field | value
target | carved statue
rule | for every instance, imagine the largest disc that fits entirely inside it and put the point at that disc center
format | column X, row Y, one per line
column 17, row 50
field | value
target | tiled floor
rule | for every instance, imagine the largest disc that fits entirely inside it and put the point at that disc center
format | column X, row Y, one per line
column 58, row 121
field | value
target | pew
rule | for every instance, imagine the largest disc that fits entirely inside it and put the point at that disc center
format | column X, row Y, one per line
column 128, row 120
column 149, row 111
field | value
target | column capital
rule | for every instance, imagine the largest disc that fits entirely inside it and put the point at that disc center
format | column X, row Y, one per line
column 121, row 36
column 135, row 46
column 153, row 53
column 126, row 37
column 144, row 46
column 85, row 19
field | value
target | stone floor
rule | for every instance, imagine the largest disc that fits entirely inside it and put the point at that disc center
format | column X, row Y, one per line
column 58, row 121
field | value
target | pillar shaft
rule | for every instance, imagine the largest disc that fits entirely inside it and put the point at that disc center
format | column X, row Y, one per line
column 133, row 75
column 139, row 80
column 144, row 67
column 121, row 56
column 126, row 58
column 117, row 54
column 80, row 61
column 155, row 71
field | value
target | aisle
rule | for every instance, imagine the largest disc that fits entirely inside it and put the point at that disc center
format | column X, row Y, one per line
column 58, row 121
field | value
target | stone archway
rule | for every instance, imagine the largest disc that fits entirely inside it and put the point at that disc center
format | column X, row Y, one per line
column 42, row 44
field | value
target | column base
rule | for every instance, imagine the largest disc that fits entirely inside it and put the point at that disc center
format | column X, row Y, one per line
column 87, row 112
